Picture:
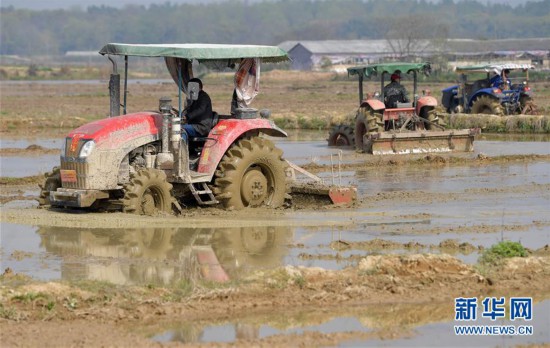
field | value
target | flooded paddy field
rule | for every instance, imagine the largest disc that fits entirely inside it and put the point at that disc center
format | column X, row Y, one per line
column 383, row 272
column 432, row 209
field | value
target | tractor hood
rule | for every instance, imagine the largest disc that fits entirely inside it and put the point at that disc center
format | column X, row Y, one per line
column 114, row 132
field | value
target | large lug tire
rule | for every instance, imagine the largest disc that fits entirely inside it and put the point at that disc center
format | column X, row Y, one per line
column 367, row 121
column 252, row 173
column 484, row 104
column 147, row 193
column 434, row 119
column 527, row 105
column 341, row 135
column 51, row 183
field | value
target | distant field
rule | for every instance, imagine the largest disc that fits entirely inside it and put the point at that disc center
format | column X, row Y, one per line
column 306, row 100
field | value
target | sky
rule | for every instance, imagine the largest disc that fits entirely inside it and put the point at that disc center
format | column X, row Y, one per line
column 83, row 4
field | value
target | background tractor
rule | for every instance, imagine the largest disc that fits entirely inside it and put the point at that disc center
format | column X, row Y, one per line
column 413, row 127
column 140, row 164
column 480, row 97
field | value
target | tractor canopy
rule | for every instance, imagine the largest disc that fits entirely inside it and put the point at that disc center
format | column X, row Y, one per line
column 179, row 60
column 380, row 69
column 199, row 52
column 495, row 68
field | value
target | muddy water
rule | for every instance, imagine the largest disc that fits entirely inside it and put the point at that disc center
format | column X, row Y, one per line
column 479, row 205
column 420, row 325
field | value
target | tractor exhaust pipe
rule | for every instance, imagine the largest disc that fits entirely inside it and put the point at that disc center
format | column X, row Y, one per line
column 165, row 159
column 114, row 90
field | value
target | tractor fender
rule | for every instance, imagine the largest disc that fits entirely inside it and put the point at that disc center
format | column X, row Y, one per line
column 426, row 101
column 226, row 133
column 374, row 104
column 114, row 138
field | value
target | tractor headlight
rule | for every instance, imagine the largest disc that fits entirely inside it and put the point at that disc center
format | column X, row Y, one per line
column 87, row 149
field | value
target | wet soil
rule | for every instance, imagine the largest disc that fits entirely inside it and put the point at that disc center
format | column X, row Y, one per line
column 76, row 315
column 88, row 313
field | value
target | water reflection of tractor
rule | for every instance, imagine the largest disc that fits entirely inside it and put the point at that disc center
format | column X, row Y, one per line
column 491, row 94
column 386, row 126
column 165, row 256
column 140, row 162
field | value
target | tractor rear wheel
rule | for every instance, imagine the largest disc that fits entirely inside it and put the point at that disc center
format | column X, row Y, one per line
column 51, row 183
column 367, row 121
column 147, row 193
column 341, row 135
column 433, row 118
column 487, row 105
column 252, row 173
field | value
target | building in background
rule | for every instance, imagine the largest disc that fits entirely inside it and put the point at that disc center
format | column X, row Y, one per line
column 314, row 55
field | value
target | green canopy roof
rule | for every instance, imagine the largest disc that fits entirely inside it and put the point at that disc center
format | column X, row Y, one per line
column 379, row 69
column 200, row 52
column 495, row 68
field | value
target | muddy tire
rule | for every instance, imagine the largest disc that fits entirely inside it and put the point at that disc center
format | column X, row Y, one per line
column 147, row 193
column 341, row 135
column 51, row 183
column 367, row 121
column 527, row 105
column 486, row 105
column 252, row 173
column 433, row 118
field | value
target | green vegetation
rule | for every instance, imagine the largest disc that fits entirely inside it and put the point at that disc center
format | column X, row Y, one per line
column 54, row 32
column 29, row 297
column 500, row 251
column 9, row 313
column 282, row 278
column 501, row 124
column 8, row 180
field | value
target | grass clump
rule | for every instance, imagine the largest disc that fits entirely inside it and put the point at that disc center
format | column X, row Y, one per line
column 502, row 250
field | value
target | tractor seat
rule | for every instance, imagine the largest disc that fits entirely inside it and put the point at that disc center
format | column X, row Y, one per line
column 197, row 143
column 392, row 100
column 404, row 105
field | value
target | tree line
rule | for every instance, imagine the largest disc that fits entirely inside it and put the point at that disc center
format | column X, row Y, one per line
column 54, row 32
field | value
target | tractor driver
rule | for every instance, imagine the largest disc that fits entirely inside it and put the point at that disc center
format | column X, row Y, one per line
column 501, row 81
column 199, row 115
column 394, row 92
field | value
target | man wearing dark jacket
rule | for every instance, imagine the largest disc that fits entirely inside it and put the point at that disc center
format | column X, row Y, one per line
column 394, row 92
column 199, row 114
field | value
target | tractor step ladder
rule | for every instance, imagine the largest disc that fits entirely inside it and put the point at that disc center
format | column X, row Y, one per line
column 204, row 190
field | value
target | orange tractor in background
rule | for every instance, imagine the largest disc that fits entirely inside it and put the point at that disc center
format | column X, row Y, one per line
column 382, row 128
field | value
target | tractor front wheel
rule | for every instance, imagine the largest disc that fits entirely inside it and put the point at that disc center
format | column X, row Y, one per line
column 252, row 173
column 147, row 193
column 51, row 183
column 485, row 104
column 341, row 135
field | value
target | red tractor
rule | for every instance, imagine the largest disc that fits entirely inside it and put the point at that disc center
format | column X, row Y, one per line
column 385, row 127
column 139, row 163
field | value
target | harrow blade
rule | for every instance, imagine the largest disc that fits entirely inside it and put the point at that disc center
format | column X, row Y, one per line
column 337, row 194
column 385, row 143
